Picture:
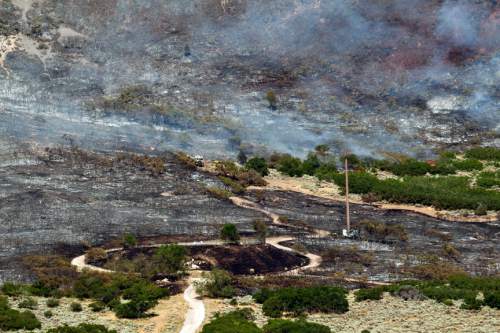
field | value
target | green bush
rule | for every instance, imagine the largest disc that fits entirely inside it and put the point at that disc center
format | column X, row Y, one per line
column 48, row 314
column 369, row 294
column 217, row 284
column 359, row 182
column 28, row 303
column 229, row 233
column 97, row 306
column 471, row 303
column 291, row 166
column 129, row 241
column 300, row 326
column 236, row 187
column 492, row 299
column 484, row 153
column 13, row 289
column 411, row 167
column 488, row 179
column 258, row 164
column 311, row 164
column 468, row 165
column 170, row 259
column 53, row 302
column 300, row 300
column 15, row 320
column 82, row 328
column 233, row 322
column 76, row 307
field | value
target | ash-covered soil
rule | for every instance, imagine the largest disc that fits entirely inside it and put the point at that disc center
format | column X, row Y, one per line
column 258, row 259
column 477, row 245
column 64, row 200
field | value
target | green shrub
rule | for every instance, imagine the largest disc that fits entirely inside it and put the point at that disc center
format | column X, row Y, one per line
column 13, row 289
column 492, row 299
column 311, row 164
column 300, row 326
column 82, row 328
column 468, row 165
column 258, row 164
column 129, row 241
column 48, row 314
column 291, row 166
column 229, row 233
column 28, row 303
column 369, row 294
column 471, row 303
column 233, row 322
column 411, row 167
column 300, row 300
column 76, row 307
column 488, row 179
column 236, row 187
column 359, row 182
column 217, row 284
column 484, row 153
column 170, row 259
column 15, row 320
column 97, row 306
column 53, row 302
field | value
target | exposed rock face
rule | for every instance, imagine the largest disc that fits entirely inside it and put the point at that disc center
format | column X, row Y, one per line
column 347, row 73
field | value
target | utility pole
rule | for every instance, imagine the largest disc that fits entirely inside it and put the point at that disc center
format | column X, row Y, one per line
column 347, row 213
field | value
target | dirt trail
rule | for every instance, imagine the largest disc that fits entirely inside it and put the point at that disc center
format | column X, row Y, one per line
column 196, row 312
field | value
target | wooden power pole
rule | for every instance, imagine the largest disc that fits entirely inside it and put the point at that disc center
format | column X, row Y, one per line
column 347, row 213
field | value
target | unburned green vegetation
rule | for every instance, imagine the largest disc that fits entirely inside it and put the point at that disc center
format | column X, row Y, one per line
column 458, row 287
column 302, row 300
column 241, row 321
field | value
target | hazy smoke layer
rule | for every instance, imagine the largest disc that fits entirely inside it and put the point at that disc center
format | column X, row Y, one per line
column 370, row 76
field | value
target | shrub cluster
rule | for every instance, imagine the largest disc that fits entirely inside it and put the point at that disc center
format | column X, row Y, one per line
column 258, row 164
column 300, row 300
column 217, row 284
column 458, row 287
column 245, row 176
column 141, row 295
column 11, row 319
column 484, row 153
column 488, row 179
column 236, row 321
column 240, row 321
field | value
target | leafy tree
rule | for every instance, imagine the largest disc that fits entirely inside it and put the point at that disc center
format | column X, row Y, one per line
column 170, row 259
column 291, row 166
column 229, row 233
column 258, row 164
column 311, row 164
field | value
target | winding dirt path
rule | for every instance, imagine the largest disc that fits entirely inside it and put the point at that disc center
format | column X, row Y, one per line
column 196, row 312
